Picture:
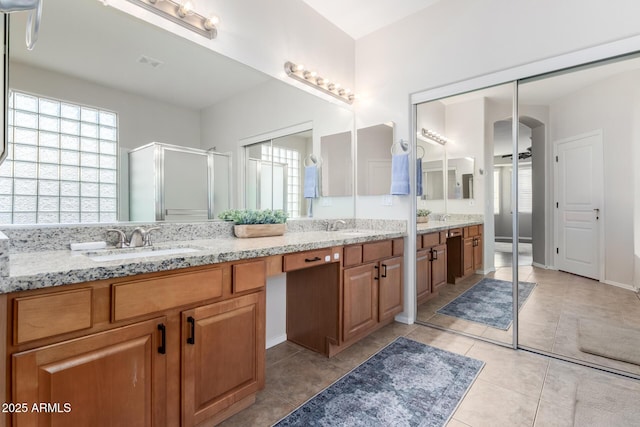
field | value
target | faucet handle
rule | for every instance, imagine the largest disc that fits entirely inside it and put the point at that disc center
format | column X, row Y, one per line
column 147, row 235
column 123, row 237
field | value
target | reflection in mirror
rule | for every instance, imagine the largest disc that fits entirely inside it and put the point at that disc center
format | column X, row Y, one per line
column 374, row 159
column 431, row 156
column 456, row 287
column 80, row 119
column 585, row 308
column 460, row 178
column 337, row 164
column 273, row 173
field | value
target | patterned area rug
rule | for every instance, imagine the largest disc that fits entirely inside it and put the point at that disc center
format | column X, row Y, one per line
column 490, row 302
column 405, row 384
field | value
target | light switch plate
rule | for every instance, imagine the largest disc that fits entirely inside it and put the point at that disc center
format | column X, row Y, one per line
column 327, row 258
column 336, row 256
column 387, row 200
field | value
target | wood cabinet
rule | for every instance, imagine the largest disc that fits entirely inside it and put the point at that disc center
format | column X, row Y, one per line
column 113, row 378
column 360, row 299
column 431, row 266
column 174, row 348
column 464, row 247
column 373, row 292
column 223, row 353
column 349, row 293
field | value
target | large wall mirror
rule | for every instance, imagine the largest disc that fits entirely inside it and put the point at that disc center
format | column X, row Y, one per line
column 96, row 88
column 374, row 159
column 577, row 190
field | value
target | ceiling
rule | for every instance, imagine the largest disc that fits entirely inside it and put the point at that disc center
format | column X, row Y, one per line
column 106, row 45
column 358, row 18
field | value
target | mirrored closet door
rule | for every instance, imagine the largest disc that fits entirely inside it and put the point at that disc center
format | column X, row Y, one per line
column 463, row 241
column 579, row 214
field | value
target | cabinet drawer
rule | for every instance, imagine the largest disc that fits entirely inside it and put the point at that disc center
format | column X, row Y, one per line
column 140, row 297
column 306, row 259
column 471, row 231
column 51, row 314
column 430, row 239
column 249, row 275
column 377, row 250
column 352, row 255
column 455, row 232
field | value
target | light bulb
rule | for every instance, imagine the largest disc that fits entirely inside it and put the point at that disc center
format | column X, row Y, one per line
column 186, row 8
column 299, row 67
column 211, row 22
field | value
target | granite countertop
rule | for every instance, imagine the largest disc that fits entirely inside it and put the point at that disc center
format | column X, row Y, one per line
column 34, row 270
column 432, row 226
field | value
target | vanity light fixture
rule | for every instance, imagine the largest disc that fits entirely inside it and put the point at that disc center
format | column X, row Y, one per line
column 433, row 136
column 298, row 72
column 183, row 13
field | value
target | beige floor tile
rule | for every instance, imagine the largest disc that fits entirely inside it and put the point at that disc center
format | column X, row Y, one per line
column 517, row 371
column 297, row 378
column 267, row 410
column 444, row 340
column 357, row 353
column 281, row 351
column 499, row 335
column 488, row 405
column 457, row 324
column 551, row 415
column 456, row 423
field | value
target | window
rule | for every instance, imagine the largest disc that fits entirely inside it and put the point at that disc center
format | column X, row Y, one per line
column 496, row 191
column 525, row 190
column 292, row 159
column 62, row 163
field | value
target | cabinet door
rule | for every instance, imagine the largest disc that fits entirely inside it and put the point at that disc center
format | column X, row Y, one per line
column 438, row 266
column 223, row 355
column 467, row 256
column 423, row 275
column 360, row 300
column 390, row 291
column 477, row 254
column 113, row 378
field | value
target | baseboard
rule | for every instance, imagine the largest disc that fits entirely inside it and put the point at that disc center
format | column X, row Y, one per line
column 272, row 342
column 546, row 267
column 502, row 239
column 401, row 318
column 485, row 272
column 620, row 285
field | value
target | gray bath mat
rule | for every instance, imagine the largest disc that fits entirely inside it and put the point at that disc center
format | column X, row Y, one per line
column 604, row 339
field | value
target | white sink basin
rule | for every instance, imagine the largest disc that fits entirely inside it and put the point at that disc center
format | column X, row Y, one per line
column 353, row 232
column 120, row 254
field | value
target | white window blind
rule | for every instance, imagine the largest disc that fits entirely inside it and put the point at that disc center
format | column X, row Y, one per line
column 525, row 189
column 62, row 163
column 496, row 191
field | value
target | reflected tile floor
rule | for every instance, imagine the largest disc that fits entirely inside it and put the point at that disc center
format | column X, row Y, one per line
column 515, row 388
column 548, row 320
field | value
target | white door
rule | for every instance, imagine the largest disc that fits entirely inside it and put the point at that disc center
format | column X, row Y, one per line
column 579, row 185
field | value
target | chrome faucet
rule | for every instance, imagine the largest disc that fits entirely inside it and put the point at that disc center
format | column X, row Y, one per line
column 333, row 226
column 139, row 237
column 444, row 217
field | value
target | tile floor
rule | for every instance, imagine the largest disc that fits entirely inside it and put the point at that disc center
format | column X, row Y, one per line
column 515, row 388
column 549, row 317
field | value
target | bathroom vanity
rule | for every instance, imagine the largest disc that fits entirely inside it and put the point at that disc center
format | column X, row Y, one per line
column 446, row 253
column 184, row 345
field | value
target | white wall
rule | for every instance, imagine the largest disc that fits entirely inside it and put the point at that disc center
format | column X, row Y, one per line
column 140, row 120
column 266, row 34
column 609, row 106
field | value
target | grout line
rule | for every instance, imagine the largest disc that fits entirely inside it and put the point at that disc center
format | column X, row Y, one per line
column 544, row 382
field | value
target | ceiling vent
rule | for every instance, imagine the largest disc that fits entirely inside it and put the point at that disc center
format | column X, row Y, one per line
column 152, row 62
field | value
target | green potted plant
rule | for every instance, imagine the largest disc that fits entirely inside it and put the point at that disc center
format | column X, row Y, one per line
column 256, row 223
column 423, row 215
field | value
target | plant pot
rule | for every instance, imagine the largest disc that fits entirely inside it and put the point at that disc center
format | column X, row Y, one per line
column 422, row 219
column 259, row 230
